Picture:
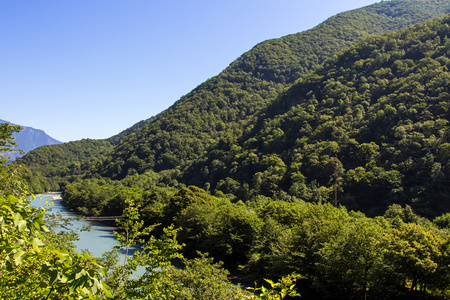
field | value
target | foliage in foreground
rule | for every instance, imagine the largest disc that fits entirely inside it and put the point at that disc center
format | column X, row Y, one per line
column 30, row 267
column 33, row 269
column 199, row 278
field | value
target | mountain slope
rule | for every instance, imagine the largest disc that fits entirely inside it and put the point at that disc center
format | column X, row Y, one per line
column 367, row 129
column 68, row 161
column 62, row 163
column 29, row 139
column 222, row 105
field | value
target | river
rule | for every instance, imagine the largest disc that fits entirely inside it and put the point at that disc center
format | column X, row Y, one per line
column 99, row 239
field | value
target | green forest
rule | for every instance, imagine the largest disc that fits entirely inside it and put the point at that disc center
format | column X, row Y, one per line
column 319, row 161
column 369, row 128
column 221, row 107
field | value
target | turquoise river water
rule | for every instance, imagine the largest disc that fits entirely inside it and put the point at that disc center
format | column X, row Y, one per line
column 99, row 239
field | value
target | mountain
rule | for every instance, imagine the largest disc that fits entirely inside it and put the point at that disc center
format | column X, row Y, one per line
column 367, row 129
column 219, row 108
column 29, row 139
column 66, row 162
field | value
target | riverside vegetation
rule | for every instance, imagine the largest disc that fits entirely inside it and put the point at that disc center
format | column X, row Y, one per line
column 38, row 262
column 340, row 174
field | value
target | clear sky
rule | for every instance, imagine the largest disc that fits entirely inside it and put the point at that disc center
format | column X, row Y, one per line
column 92, row 68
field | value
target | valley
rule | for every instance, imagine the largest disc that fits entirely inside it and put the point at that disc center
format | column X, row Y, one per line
column 320, row 158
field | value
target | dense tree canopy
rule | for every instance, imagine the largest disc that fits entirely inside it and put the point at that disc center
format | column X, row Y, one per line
column 340, row 254
column 55, row 165
column 370, row 128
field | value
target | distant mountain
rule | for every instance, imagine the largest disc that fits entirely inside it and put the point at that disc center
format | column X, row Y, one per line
column 30, row 138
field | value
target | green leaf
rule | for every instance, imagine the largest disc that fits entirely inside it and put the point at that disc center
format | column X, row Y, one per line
column 80, row 274
column 18, row 243
column 22, row 225
column 18, row 257
column 106, row 289
column 53, row 276
column 37, row 243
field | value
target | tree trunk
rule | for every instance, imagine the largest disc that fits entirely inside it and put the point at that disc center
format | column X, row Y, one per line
column 414, row 283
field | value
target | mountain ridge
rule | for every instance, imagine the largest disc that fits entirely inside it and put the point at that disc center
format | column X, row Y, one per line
column 223, row 103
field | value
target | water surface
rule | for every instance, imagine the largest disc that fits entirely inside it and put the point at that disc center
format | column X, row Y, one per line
column 99, row 239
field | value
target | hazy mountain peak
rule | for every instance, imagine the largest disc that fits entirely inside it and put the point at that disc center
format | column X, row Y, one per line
column 30, row 138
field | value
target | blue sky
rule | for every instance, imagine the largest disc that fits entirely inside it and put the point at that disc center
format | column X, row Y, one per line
column 90, row 69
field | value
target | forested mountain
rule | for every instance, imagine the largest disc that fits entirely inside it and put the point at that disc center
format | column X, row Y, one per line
column 65, row 162
column 30, row 138
column 62, row 163
column 221, row 105
column 369, row 128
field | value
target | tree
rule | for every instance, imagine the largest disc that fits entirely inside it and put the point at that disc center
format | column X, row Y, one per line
column 142, row 250
column 348, row 263
column 412, row 255
column 202, row 279
column 10, row 181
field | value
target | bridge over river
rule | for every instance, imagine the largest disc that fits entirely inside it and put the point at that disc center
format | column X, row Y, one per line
column 105, row 218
